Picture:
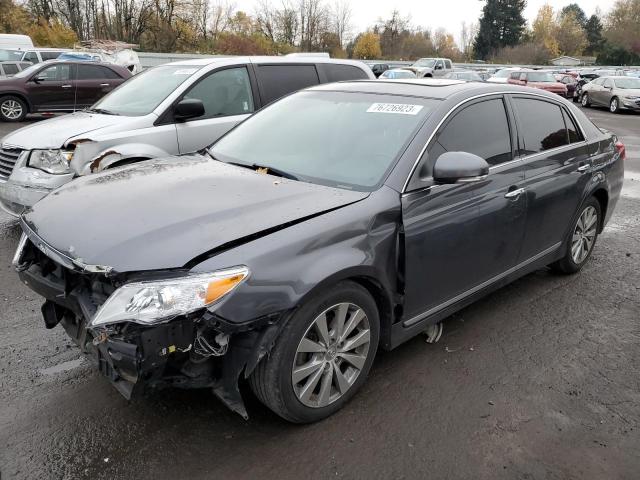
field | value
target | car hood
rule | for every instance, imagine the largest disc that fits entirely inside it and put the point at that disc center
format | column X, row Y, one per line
column 55, row 132
column 161, row 214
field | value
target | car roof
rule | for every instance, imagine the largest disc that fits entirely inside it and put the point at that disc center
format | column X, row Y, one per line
column 427, row 88
column 264, row 59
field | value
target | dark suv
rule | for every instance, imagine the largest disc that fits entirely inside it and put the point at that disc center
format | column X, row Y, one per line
column 57, row 87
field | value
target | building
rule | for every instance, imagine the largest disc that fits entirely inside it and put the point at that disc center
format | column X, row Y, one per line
column 566, row 61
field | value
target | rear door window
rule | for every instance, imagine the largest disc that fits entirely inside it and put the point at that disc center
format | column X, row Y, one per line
column 338, row 73
column 279, row 80
column 95, row 72
column 541, row 125
column 223, row 93
column 10, row 68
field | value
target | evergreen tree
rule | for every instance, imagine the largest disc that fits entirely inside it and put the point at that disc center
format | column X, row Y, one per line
column 593, row 29
column 574, row 8
column 502, row 24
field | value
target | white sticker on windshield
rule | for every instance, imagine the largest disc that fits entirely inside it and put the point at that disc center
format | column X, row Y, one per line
column 185, row 71
column 401, row 108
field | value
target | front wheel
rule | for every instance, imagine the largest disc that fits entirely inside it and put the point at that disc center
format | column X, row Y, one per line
column 322, row 356
column 12, row 109
column 614, row 105
column 585, row 100
column 582, row 238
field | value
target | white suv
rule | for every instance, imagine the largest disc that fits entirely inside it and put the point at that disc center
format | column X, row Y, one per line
column 172, row 109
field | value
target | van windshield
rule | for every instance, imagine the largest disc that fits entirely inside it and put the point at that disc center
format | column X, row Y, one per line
column 142, row 94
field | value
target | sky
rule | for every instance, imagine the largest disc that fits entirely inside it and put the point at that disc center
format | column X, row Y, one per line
column 431, row 14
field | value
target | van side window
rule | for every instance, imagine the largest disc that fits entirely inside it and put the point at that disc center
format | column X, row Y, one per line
column 223, row 93
column 337, row 73
column 279, row 80
column 541, row 125
column 31, row 57
column 10, row 68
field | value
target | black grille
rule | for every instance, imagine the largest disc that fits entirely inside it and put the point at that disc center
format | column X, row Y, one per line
column 8, row 159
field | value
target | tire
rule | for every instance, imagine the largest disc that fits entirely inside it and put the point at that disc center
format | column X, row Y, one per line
column 614, row 105
column 572, row 262
column 273, row 379
column 584, row 100
column 12, row 109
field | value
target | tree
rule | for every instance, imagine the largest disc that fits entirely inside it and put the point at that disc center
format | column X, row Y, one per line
column 468, row 33
column 341, row 20
column 445, row 45
column 575, row 10
column 593, row 31
column 570, row 35
column 368, row 46
column 502, row 24
column 545, row 29
column 622, row 25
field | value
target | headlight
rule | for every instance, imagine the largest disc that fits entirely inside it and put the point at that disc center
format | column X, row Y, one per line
column 153, row 302
column 52, row 161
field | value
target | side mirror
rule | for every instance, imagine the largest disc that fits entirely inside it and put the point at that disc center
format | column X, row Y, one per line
column 188, row 108
column 459, row 167
column 37, row 79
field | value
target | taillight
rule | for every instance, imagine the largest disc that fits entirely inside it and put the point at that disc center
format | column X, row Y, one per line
column 621, row 150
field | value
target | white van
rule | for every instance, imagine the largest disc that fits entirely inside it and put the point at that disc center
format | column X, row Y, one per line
column 10, row 41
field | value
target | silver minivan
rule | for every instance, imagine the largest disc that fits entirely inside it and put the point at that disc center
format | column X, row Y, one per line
column 171, row 109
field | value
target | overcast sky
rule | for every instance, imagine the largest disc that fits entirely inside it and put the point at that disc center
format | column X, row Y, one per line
column 437, row 13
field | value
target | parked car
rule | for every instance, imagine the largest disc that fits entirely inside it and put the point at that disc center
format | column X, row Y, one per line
column 615, row 93
column 502, row 75
column 9, row 69
column 568, row 80
column 541, row 80
column 394, row 73
column 583, row 79
column 431, row 67
column 171, row 109
column 467, row 76
column 57, row 87
column 378, row 68
column 39, row 55
column 337, row 221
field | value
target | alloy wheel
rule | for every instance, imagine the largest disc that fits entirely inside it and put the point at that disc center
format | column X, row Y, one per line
column 585, row 100
column 613, row 106
column 584, row 235
column 331, row 354
column 11, row 109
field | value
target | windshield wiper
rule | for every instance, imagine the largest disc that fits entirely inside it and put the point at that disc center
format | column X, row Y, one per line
column 271, row 170
column 101, row 110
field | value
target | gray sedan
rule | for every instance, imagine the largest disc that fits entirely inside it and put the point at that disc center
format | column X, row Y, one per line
column 616, row 93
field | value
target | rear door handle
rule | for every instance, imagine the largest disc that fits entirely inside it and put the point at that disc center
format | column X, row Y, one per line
column 583, row 168
column 514, row 193
column 67, row 86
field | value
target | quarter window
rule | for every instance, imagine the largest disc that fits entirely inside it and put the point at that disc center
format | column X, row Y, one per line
column 481, row 129
column 572, row 129
column 337, row 73
column 541, row 125
column 279, row 80
column 223, row 93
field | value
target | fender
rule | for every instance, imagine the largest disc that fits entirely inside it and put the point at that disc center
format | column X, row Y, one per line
column 87, row 159
column 21, row 95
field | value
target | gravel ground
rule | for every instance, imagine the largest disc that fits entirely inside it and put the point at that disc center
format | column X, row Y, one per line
column 536, row 381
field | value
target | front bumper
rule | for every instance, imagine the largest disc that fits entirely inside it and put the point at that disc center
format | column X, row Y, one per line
column 630, row 104
column 26, row 186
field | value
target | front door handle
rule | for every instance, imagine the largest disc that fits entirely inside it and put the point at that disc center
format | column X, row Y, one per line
column 514, row 193
column 67, row 86
column 104, row 84
column 583, row 168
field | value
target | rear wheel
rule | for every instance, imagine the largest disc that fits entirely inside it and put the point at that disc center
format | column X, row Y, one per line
column 12, row 109
column 582, row 238
column 585, row 100
column 322, row 356
column 614, row 105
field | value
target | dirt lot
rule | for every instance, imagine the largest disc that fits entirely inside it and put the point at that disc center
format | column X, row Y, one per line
column 537, row 381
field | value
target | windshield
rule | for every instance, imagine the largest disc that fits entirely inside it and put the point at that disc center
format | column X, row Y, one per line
column 540, row 77
column 469, row 76
column 504, row 73
column 398, row 74
column 344, row 140
column 10, row 55
column 29, row 70
column 425, row 62
column 627, row 82
column 142, row 94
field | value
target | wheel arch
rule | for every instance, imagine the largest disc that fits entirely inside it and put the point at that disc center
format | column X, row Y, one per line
column 602, row 196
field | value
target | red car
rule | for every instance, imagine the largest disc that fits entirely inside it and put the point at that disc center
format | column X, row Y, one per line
column 57, row 86
column 544, row 80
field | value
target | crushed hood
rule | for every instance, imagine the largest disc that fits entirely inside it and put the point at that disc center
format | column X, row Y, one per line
column 161, row 214
column 55, row 132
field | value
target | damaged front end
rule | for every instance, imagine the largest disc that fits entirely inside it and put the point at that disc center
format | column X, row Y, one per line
column 197, row 349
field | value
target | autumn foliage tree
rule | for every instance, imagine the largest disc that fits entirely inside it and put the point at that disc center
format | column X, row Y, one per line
column 367, row 46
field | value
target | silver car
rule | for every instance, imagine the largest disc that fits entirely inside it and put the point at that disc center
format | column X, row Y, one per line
column 172, row 109
column 616, row 93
